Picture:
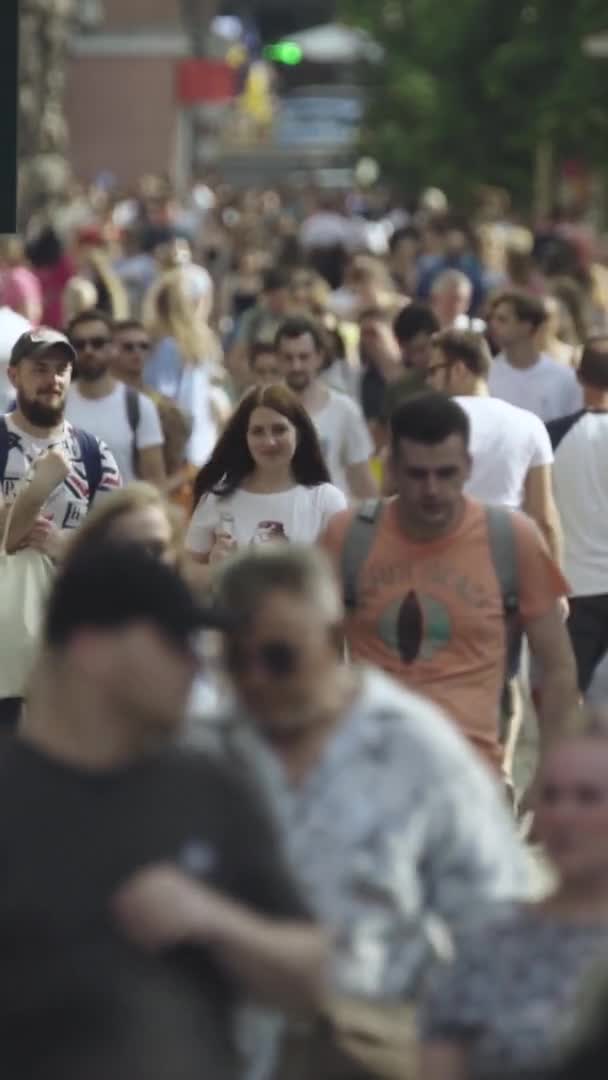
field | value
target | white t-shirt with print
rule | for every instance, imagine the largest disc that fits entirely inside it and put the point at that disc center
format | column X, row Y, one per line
column 107, row 419
column 506, row 442
column 547, row 388
column 68, row 505
column 299, row 515
column 344, row 436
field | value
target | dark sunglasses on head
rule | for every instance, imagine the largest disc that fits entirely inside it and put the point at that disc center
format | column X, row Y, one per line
column 277, row 659
column 95, row 342
column 134, row 346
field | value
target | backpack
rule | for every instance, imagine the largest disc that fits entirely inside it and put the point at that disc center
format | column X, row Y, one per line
column 133, row 418
column 176, row 427
column 90, row 453
column 503, row 552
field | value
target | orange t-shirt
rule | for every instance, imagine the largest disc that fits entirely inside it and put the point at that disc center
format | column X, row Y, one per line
column 431, row 614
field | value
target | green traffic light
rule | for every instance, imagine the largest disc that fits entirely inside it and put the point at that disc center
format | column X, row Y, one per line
column 284, row 52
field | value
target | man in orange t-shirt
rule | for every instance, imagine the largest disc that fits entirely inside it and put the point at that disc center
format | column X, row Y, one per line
column 429, row 606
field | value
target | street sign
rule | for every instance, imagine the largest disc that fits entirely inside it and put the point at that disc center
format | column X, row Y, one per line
column 204, row 81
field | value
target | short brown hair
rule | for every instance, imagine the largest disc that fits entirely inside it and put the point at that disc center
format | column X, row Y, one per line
column 464, row 345
column 297, row 326
column 260, row 348
column 593, row 368
column 527, row 308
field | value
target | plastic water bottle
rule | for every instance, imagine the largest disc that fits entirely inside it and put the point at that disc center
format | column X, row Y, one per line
column 226, row 524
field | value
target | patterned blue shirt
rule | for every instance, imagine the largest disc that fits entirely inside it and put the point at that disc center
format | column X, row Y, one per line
column 396, row 834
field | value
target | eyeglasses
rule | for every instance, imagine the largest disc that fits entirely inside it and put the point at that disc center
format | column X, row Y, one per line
column 134, row 346
column 80, row 344
column 276, row 658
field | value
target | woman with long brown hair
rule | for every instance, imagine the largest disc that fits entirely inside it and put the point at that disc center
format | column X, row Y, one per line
column 265, row 480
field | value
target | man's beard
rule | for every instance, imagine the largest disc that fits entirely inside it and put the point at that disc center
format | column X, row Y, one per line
column 93, row 373
column 298, row 382
column 40, row 414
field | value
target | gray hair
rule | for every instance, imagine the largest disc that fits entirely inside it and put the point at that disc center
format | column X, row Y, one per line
column 247, row 579
column 449, row 279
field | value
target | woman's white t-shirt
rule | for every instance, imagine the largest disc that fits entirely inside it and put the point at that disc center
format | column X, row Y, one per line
column 299, row 514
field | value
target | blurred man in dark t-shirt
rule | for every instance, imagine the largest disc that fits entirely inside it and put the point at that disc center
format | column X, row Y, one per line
column 413, row 328
column 115, row 845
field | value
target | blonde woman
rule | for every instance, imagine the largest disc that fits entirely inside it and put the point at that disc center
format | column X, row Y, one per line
column 78, row 295
column 138, row 514
column 135, row 514
column 185, row 359
column 94, row 264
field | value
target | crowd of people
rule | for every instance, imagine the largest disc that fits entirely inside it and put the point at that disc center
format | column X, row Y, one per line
column 304, row 515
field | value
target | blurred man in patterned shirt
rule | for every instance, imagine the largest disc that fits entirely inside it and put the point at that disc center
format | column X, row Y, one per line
column 391, row 824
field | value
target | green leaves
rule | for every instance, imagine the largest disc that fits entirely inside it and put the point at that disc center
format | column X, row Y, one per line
column 469, row 88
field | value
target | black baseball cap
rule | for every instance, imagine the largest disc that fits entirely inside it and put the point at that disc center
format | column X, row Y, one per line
column 39, row 341
column 108, row 585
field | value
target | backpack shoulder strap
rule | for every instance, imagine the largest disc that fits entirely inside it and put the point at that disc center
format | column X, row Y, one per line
column 133, row 409
column 3, row 447
column 133, row 416
column 357, row 546
column 90, row 452
column 503, row 549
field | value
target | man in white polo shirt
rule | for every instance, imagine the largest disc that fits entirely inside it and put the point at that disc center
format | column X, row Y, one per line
column 521, row 374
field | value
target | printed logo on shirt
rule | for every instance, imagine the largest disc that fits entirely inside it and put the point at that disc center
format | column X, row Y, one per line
column 268, row 532
column 73, row 515
column 68, row 504
column 416, row 628
column 9, row 486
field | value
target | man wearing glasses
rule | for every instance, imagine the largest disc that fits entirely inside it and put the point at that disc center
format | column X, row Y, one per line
column 131, row 350
column 389, row 822
column 122, row 417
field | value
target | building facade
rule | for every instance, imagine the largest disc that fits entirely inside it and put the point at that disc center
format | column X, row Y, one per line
column 122, row 107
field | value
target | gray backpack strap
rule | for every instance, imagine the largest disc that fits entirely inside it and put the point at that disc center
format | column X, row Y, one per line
column 503, row 550
column 357, row 546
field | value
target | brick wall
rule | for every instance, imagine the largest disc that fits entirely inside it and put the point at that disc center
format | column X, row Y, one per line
column 121, row 14
column 122, row 115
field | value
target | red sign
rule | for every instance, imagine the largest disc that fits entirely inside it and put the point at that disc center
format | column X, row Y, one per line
column 204, row 80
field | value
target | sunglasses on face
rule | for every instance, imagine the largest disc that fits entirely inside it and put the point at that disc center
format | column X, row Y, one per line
column 80, row 344
column 134, row 346
column 277, row 659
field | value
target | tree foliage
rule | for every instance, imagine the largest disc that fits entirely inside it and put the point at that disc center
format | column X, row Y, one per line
column 469, row 88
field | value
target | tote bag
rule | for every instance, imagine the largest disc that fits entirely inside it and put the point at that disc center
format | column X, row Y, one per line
column 25, row 583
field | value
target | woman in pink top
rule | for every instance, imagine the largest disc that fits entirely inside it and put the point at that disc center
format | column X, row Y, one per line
column 19, row 286
column 53, row 268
